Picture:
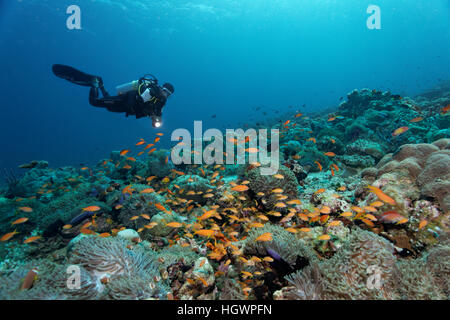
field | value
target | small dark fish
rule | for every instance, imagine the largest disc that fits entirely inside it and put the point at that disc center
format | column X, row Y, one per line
column 273, row 254
column 94, row 193
column 81, row 217
column 213, row 116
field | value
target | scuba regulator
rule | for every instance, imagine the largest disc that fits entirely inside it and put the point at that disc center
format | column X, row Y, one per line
column 144, row 86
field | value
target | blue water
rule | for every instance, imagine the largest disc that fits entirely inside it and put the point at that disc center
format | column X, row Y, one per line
column 223, row 57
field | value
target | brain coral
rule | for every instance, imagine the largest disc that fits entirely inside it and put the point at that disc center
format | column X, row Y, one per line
column 426, row 165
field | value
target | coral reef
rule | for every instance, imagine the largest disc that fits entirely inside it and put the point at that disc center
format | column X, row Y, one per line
column 424, row 166
column 359, row 209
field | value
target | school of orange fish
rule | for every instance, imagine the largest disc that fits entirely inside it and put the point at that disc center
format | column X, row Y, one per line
column 229, row 216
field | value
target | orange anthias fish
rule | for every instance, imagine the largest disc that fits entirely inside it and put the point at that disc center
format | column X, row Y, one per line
column 26, row 209
column 381, row 195
column 240, row 188
column 104, row 235
column 321, row 190
column 124, row 152
column 32, row 239
column 399, row 131
column 174, row 224
column 87, row 231
column 422, row 224
column 418, row 119
column 92, row 208
column 329, row 154
column 204, row 232
column 318, row 165
column 148, row 190
column 391, row 217
column 265, row 237
column 20, row 220
column 8, row 236
column 140, row 142
column 160, row 207
column 128, row 190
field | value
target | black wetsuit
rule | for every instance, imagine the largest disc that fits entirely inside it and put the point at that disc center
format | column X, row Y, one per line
column 130, row 102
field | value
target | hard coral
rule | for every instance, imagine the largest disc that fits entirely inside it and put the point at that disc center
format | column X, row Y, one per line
column 426, row 166
column 265, row 184
column 138, row 204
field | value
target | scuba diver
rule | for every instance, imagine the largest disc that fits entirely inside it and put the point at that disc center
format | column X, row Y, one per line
column 140, row 98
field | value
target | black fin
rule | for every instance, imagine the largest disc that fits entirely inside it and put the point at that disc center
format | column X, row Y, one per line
column 73, row 75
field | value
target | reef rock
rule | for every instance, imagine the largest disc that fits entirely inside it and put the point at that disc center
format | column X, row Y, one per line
column 425, row 167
